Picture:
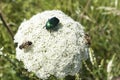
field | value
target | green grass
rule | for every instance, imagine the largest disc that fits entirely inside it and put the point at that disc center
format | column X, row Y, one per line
column 101, row 19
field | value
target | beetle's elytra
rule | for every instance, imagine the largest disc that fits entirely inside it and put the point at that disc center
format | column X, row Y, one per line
column 52, row 23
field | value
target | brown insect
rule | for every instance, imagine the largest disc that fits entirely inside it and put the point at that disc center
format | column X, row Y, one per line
column 88, row 39
column 25, row 45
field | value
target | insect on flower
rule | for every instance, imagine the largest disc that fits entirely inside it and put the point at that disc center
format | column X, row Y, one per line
column 52, row 23
column 88, row 39
column 25, row 45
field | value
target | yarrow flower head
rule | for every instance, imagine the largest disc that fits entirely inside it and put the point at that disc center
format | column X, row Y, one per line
column 57, row 51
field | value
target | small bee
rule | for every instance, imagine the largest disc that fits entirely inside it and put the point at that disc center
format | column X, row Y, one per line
column 25, row 45
column 52, row 23
column 88, row 39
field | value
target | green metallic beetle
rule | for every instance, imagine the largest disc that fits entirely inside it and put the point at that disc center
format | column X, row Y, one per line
column 52, row 23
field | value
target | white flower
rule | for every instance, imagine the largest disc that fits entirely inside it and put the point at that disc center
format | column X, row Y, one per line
column 57, row 53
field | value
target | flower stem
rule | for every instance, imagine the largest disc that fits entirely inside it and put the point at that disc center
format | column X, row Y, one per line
column 5, row 24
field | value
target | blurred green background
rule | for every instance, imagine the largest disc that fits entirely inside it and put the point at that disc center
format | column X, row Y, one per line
column 101, row 19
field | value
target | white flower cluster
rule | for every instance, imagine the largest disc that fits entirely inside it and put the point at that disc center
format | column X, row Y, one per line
column 57, row 53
